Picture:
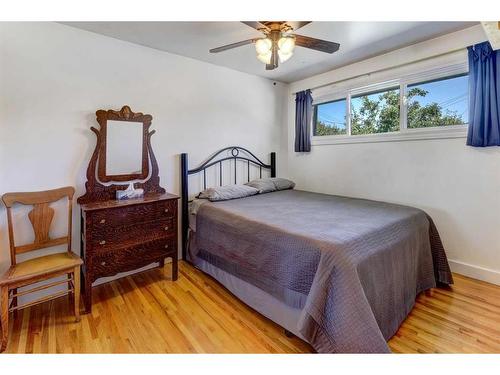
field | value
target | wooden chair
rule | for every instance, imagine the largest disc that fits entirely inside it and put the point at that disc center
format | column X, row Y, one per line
column 41, row 268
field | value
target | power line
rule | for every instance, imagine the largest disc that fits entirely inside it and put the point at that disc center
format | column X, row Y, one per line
column 451, row 100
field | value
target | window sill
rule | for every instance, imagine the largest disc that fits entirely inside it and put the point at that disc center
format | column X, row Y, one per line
column 454, row 131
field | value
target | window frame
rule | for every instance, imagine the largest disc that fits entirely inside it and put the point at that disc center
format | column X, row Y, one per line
column 315, row 117
column 406, row 84
column 404, row 133
column 375, row 89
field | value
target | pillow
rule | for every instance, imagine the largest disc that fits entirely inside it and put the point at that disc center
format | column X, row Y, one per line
column 283, row 183
column 267, row 185
column 223, row 193
column 264, row 185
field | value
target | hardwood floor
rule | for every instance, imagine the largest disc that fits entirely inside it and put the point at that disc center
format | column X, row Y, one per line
column 148, row 313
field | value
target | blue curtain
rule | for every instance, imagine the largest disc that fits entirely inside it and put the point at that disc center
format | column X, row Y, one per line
column 484, row 96
column 303, row 114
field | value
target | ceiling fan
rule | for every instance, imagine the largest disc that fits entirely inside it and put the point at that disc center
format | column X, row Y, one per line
column 279, row 41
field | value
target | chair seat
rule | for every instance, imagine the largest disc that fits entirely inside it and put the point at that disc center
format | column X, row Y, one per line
column 40, row 266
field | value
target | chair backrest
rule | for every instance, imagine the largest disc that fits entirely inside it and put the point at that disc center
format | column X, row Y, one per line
column 40, row 217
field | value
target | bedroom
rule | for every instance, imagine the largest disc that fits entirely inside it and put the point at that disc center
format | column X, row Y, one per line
column 345, row 184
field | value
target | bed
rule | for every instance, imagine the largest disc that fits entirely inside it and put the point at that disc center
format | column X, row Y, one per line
column 339, row 272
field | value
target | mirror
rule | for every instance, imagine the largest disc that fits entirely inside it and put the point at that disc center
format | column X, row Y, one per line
column 122, row 154
column 123, row 148
column 123, row 145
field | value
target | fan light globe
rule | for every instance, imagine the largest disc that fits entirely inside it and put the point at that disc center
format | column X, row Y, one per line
column 284, row 56
column 265, row 57
column 286, row 44
column 263, row 46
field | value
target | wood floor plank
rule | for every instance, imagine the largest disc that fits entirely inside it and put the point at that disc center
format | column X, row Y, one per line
column 149, row 313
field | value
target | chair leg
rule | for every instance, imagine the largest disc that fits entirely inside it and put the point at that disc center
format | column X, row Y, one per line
column 69, row 282
column 76, row 294
column 4, row 315
column 14, row 302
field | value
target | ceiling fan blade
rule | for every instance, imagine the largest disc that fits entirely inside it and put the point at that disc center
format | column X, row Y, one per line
column 232, row 45
column 295, row 25
column 316, row 44
column 255, row 25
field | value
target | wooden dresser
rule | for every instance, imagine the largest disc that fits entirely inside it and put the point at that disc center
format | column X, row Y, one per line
column 124, row 235
column 120, row 236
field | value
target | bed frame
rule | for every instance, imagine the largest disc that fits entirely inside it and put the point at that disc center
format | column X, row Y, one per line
column 229, row 155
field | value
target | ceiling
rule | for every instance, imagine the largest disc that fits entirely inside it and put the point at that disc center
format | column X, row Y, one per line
column 358, row 41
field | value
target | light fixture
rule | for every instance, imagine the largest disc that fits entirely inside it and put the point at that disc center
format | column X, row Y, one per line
column 263, row 46
column 286, row 44
column 264, row 50
column 284, row 56
column 265, row 57
column 277, row 42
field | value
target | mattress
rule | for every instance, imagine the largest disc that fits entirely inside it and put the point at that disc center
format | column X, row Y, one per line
column 259, row 300
column 264, row 303
column 350, row 268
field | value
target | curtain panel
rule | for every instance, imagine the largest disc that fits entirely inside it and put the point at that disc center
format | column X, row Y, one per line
column 484, row 96
column 303, row 115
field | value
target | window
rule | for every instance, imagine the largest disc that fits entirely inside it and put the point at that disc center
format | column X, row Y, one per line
column 440, row 102
column 330, row 118
column 376, row 112
column 426, row 105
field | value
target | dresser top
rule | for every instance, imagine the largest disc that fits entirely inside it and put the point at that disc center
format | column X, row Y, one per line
column 114, row 203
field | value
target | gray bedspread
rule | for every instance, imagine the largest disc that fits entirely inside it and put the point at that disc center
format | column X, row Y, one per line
column 353, row 266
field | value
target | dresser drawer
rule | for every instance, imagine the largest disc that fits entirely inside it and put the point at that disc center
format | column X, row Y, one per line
column 130, row 258
column 122, row 236
column 111, row 237
column 132, row 215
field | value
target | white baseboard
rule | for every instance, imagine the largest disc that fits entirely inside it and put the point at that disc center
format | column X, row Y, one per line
column 476, row 272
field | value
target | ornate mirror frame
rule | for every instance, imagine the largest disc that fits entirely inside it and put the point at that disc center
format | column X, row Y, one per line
column 97, row 191
column 125, row 114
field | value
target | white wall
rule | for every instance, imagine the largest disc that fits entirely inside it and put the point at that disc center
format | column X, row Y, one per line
column 459, row 186
column 54, row 77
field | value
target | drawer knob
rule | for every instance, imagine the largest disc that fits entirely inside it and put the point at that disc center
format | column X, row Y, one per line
column 102, row 242
column 166, row 210
column 166, row 228
column 166, row 246
column 103, row 221
column 103, row 263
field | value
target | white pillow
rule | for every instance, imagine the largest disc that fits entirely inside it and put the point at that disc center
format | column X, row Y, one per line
column 267, row 185
column 223, row 193
column 264, row 185
column 283, row 183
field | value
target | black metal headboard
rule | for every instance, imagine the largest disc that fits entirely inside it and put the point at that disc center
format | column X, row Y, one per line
column 228, row 154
